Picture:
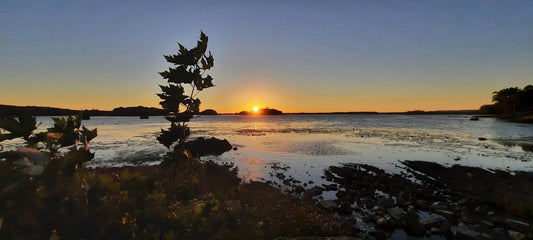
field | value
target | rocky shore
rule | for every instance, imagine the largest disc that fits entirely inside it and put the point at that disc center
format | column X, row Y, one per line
column 429, row 201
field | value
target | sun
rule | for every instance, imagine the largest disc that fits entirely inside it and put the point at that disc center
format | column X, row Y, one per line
column 256, row 109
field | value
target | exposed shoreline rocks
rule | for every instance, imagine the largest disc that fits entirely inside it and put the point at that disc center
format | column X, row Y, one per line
column 443, row 203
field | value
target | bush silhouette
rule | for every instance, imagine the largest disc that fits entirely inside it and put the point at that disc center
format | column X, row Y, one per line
column 190, row 66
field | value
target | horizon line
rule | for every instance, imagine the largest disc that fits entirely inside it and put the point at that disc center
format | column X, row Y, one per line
column 292, row 112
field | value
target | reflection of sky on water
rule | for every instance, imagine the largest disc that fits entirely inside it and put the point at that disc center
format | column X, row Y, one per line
column 308, row 143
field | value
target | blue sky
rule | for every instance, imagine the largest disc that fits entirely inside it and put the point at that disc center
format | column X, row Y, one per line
column 293, row 55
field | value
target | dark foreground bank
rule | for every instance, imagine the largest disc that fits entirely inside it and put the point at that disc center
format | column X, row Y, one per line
column 190, row 199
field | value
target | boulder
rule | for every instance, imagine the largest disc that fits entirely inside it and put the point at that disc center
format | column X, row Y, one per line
column 432, row 220
column 210, row 146
column 396, row 212
column 463, row 232
column 517, row 225
column 327, row 204
column 386, row 202
column 385, row 222
column 514, row 235
column 446, row 213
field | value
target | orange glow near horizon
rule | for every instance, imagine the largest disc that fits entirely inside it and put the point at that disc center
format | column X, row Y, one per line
column 260, row 95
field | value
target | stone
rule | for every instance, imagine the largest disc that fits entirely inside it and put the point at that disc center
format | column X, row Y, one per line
column 514, row 235
column 331, row 187
column 386, row 202
column 438, row 206
column 382, row 220
column 210, row 146
column 327, row 204
column 463, row 232
column 516, row 225
column 340, row 194
column 446, row 213
column 396, row 212
column 432, row 220
column 379, row 235
column 411, row 209
column 421, row 203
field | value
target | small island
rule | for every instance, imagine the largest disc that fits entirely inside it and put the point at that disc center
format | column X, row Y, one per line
column 208, row 112
column 263, row 111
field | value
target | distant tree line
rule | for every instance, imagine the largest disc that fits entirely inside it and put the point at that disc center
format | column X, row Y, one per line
column 10, row 110
column 511, row 100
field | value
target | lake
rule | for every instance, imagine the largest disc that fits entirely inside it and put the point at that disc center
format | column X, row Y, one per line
column 307, row 143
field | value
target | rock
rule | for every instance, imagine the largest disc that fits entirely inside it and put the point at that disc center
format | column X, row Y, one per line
column 401, row 198
column 331, row 187
column 514, row 235
column 298, row 189
column 344, row 210
column 421, row 203
column 385, row 222
column 516, row 225
column 386, row 203
column 470, row 217
column 312, row 192
column 482, row 139
column 210, row 146
column 410, row 209
column 446, row 213
column 33, row 161
column 327, row 204
column 463, row 232
column 396, row 213
column 380, row 235
column 438, row 206
column 340, row 194
column 432, row 220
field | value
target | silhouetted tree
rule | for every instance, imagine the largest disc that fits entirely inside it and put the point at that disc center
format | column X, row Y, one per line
column 488, row 109
column 190, row 66
column 514, row 99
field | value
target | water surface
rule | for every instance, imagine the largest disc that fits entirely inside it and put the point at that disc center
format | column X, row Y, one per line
column 309, row 143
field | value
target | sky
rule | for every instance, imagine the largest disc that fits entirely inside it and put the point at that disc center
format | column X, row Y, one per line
column 296, row 56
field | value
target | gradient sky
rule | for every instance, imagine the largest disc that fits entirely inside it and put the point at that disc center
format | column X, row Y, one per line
column 296, row 56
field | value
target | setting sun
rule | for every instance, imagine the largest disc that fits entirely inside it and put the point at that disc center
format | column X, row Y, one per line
column 255, row 109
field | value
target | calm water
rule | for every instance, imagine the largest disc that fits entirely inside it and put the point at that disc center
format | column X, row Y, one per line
column 308, row 143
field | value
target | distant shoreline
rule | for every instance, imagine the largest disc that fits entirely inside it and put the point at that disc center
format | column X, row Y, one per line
column 11, row 110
